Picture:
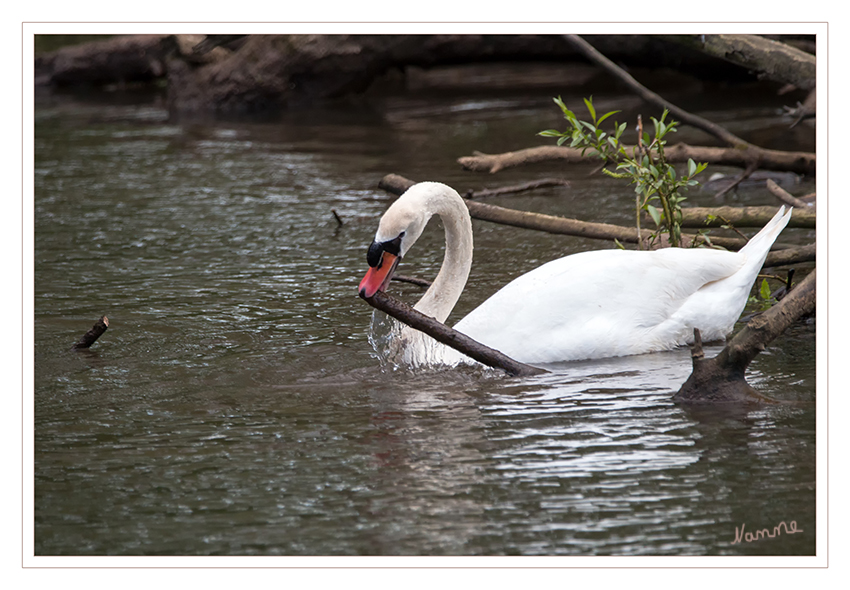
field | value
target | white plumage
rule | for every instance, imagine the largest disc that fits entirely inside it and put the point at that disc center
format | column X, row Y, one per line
column 590, row 305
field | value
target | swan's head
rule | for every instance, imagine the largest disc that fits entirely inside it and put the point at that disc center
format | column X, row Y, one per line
column 399, row 228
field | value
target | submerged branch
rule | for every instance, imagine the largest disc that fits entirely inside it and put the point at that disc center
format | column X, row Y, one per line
column 446, row 335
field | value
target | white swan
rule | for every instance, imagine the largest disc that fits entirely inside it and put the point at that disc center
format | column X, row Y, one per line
column 589, row 305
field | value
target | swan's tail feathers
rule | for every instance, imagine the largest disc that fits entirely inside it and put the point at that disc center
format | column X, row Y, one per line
column 759, row 245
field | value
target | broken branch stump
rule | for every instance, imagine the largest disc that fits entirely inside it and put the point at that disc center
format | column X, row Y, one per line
column 722, row 378
column 92, row 335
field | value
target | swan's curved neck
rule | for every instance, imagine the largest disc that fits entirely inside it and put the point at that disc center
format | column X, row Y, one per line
column 441, row 297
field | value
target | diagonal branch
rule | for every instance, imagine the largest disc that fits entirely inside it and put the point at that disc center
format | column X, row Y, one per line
column 694, row 120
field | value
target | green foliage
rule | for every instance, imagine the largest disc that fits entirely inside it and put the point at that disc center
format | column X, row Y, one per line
column 762, row 301
column 658, row 189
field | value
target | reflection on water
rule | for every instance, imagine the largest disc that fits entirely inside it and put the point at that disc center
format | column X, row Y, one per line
column 235, row 404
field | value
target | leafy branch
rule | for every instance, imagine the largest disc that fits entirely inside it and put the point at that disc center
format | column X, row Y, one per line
column 658, row 188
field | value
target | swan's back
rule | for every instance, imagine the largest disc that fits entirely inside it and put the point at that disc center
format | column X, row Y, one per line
column 615, row 302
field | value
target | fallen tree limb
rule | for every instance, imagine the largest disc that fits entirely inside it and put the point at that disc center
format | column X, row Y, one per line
column 680, row 153
column 791, row 256
column 446, row 335
column 396, row 184
column 744, row 216
column 786, row 197
column 722, row 378
column 92, row 335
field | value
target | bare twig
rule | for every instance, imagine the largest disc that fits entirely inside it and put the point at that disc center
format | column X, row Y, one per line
column 412, row 281
column 745, row 174
column 526, row 186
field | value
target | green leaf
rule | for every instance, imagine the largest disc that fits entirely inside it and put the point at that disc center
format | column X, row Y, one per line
column 764, row 291
column 692, row 167
column 589, row 104
column 550, row 133
column 605, row 116
column 655, row 214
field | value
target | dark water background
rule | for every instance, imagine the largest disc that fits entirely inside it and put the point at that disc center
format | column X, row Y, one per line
column 234, row 406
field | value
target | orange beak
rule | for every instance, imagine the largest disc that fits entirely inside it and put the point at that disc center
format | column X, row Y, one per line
column 378, row 277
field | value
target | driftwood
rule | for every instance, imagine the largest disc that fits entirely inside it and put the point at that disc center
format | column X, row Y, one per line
column 446, row 335
column 722, row 378
column 679, row 153
column 396, row 184
column 92, row 335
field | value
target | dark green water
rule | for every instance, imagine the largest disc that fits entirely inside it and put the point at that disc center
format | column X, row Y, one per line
column 235, row 406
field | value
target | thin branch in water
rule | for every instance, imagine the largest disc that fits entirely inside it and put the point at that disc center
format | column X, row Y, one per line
column 738, row 180
column 786, row 197
column 527, row 186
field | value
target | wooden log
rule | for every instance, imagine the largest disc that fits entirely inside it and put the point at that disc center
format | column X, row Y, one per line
column 792, row 256
column 771, row 59
column 92, row 335
column 739, row 217
column 446, row 335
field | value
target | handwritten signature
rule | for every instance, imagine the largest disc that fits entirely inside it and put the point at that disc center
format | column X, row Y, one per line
column 749, row 537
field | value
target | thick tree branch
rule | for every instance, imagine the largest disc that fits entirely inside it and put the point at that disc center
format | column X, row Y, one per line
column 681, row 114
column 744, row 216
column 446, row 335
column 771, row 59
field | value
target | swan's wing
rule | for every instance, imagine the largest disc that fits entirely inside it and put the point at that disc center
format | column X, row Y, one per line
column 597, row 304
